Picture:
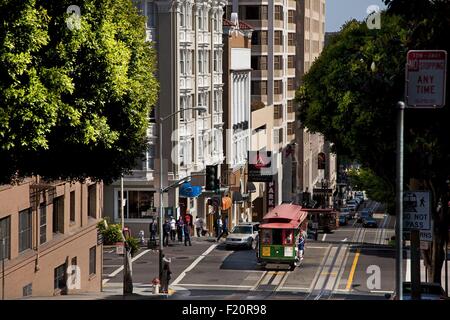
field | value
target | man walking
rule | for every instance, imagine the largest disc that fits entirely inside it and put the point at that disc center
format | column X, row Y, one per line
column 224, row 228
column 187, row 234
column 173, row 229
column 166, row 230
column 153, row 228
column 180, row 227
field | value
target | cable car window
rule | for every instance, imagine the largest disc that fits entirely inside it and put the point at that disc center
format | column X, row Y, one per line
column 277, row 236
column 266, row 236
column 287, row 236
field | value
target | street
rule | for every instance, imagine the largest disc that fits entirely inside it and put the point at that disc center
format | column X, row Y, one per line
column 350, row 263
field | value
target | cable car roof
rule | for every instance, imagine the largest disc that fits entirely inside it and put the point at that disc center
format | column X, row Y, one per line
column 284, row 216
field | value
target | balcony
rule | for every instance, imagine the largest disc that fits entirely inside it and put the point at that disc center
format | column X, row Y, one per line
column 204, row 80
column 217, row 119
column 186, row 37
column 186, row 82
column 218, row 78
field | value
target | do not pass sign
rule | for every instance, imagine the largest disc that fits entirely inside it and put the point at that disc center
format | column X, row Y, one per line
column 426, row 72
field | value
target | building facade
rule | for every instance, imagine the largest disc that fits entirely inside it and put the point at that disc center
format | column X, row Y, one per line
column 272, row 92
column 316, row 165
column 237, row 117
column 187, row 37
column 48, row 238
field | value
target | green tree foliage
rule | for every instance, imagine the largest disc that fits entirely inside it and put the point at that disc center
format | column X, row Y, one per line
column 350, row 95
column 74, row 103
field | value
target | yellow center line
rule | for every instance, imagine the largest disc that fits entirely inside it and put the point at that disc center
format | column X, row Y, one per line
column 352, row 270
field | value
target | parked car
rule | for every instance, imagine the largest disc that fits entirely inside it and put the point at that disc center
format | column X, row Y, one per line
column 429, row 291
column 370, row 222
column 243, row 235
column 350, row 214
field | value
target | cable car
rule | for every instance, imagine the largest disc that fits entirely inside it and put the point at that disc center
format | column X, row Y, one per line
column 279, row 233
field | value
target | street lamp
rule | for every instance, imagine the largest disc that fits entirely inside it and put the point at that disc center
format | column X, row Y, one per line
column 161, row 211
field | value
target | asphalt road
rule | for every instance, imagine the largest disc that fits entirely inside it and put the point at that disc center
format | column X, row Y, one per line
column 351, row 263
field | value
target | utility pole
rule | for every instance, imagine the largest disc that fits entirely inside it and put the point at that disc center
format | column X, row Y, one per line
column 399, row 192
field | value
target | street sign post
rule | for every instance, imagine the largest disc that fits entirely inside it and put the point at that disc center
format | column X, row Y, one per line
column 426, row 73
column 417, row 214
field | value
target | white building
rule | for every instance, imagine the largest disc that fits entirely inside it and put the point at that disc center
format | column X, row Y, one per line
column 187, row 36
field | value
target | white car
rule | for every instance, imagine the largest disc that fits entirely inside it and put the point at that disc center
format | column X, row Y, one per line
column 243, row 235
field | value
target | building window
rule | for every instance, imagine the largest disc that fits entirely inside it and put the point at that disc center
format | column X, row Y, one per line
column 93, row 260
column 72, row 206
column 291, row 62
column 291, row 16
column 183, row 62
column 291, row 39
column 92, row 201
column 278, row 38
column 42, row 224
column 290, row 106
column 200, row 61
column 252, row 13
column 27, row 291
column 259, row 87
column 259, row 38
column 5, row 238
column 279, row 13
column 291, row 84
column 307, row 24
column 259, row 62
column 60, row 277
column 151, row 155
column 74, row 274
column 306, row 45
column 151, row 14
column 58, row 214
column 315, row 46
column 183, row 16
column 138, row 204
column 290, row 128
column 278, row 87
column 278, row 111
column 278, row 62
column 24, row 230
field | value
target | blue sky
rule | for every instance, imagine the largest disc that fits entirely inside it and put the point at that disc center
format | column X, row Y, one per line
column 340, row 11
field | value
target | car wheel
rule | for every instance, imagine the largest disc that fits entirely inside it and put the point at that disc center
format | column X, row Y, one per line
column 227, row 247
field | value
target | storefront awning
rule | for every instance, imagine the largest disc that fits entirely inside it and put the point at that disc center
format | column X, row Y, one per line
column 237, row 197
column 189, row 191
column 226, row 203
column 251, row 187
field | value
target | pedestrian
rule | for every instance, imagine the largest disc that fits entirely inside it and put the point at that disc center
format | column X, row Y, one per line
column 166, row 275
column 187, row 234
column 180, row 227
column 219, row 226
column 224, row 229
column 301, row 246
column 153, row 229
column 198, row 226
column 166, row 231
column 173, row 229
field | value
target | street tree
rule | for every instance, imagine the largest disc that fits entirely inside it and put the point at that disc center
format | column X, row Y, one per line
column 75, row 91
column 350, row 94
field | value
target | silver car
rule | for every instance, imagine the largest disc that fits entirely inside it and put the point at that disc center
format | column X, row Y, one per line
column 243, row 235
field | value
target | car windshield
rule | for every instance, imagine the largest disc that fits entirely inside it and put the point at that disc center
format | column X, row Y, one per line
column 242, row 229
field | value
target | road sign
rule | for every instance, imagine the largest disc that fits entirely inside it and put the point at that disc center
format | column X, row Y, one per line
column 426, row 73
column 417, row 213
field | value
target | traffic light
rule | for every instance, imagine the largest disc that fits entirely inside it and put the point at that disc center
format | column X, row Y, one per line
column 212, row 182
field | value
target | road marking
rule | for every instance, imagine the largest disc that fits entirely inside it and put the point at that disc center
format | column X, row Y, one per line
column 344, row 240
column 381, row 291
column 116, row 272
column 352, row 271
column 278, row 278
column 193, row 264
column 259, row 281
column 324, row 236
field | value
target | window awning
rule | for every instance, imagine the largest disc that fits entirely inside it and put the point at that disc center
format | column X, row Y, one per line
column 237, row 197
column 251, row 187
column 189, row 191
column 226, row 203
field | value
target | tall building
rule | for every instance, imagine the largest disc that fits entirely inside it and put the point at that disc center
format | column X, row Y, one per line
column 316, row 165
column 272, row 91
column 187, row 36
column 237, row 118
column 48, row 238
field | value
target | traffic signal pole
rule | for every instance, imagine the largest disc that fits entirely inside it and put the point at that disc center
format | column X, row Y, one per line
column 399, row 200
